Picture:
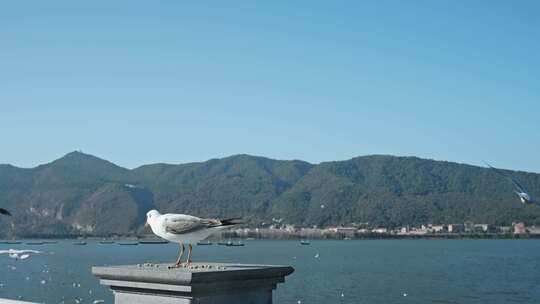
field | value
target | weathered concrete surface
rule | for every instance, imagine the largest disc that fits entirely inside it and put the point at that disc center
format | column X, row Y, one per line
column 7, row 301
column 202, row 283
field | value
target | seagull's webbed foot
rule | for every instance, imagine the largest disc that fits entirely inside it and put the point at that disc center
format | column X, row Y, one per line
column 178, row 262
column 176, row 265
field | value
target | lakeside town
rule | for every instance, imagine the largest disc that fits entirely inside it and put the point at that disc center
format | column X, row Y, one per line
column 359, row 231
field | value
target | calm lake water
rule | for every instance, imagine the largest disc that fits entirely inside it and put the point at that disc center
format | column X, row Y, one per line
column 363, row 271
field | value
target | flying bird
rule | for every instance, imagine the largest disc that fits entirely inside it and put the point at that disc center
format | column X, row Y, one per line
column 185, row 229
column 4, row 212
column 19, row 254
column 519, row 190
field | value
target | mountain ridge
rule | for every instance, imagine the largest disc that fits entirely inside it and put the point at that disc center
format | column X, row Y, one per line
column 80, row 153
column 83, row 194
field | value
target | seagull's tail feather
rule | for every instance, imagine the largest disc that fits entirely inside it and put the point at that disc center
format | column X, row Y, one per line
column 231, row 221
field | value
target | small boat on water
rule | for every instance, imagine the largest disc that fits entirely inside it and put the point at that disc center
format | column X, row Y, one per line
column 13, row 242
column 35, row 243
column 305, row 242
column 153, row 242
column 233, row 244
column 106, row 242
column 222, row 243
column 204, row 243
column 128, row 243
column 79, row 243
column 50, row 242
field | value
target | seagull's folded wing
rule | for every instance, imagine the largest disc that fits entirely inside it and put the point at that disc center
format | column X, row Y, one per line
column 179, row 224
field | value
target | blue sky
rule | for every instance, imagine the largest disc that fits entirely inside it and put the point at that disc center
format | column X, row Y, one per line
column 138, row 82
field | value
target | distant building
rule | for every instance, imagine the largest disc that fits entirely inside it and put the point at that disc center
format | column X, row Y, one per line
column 469, row 227
column 505, row 229
column 311, row 232
column 456, row 228
column 418, row 231
column 482, row 228
column 289, row 228
column 380, row 230
column 346, row 229
column 343, row 230
column 436, row 228
column 534, row 230
column 519, row 228
column 331, row 229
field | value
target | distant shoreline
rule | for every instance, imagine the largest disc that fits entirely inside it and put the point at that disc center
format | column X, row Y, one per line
column 233, row 235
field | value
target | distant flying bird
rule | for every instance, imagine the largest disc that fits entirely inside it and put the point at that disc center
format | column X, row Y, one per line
column 520, row 191
column 4, row 212
column 19, row 254
column 185, row 229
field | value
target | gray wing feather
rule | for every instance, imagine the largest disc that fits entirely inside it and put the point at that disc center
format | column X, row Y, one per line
column 185, row 224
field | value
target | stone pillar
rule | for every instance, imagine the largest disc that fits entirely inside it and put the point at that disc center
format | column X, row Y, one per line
column 201, row 283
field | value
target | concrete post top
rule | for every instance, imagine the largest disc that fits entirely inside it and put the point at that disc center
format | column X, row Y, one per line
column 6, row 301
column 194, row 274
column 201, row 283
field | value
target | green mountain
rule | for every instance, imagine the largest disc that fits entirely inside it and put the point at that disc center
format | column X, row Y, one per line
column 82, row 194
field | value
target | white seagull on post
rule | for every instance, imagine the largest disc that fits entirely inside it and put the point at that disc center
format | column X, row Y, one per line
column 185, row 229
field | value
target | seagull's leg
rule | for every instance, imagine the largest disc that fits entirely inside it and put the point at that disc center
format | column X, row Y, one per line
column 189, row 254
column 179, row 260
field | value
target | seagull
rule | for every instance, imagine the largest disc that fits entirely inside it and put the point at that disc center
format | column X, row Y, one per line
column 520, row 191
column 183, row 228
column 4, row 212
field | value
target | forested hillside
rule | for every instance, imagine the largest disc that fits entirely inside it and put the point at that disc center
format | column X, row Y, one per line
column 83, row 194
